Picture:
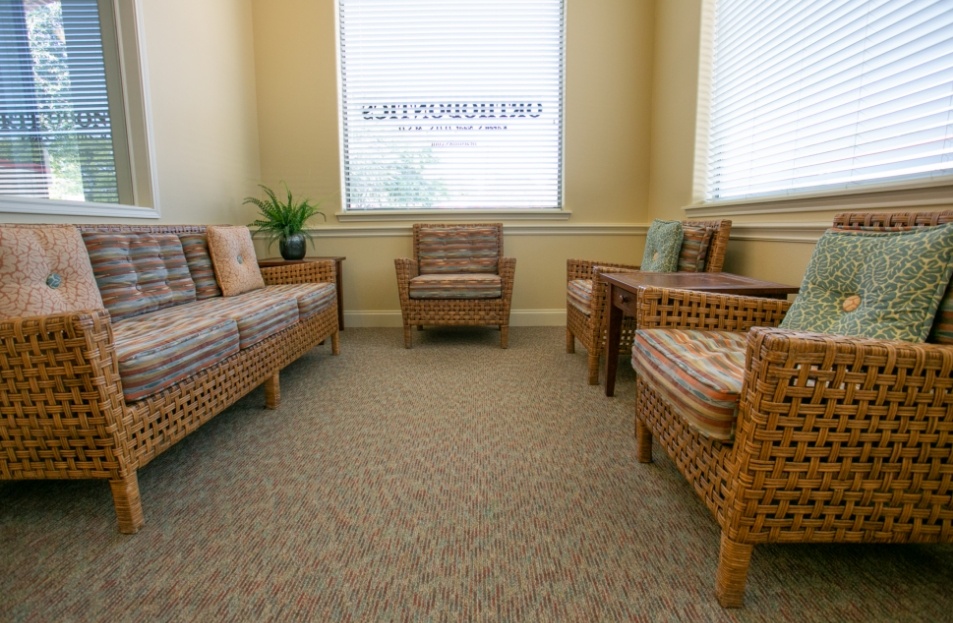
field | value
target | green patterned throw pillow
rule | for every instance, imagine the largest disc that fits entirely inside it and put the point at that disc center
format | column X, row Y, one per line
column 662, row 246
column 884, row 285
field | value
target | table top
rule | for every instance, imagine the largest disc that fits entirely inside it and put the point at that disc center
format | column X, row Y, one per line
column 277, row 261
column 714, row 282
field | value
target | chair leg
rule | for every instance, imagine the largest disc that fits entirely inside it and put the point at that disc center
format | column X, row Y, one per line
column 273, row 391
column 643, row 439
column 504, row 336
column 593, row 366
column 570, row 342
column 408, row 336
column 733, row 562
column 127, row 502
column 336, row 344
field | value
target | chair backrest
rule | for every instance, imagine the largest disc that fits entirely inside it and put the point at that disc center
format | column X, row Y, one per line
column 710, row 238
column 458, row 248
column 942, row 331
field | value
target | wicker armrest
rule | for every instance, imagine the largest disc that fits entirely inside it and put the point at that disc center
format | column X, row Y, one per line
column 842, row 435
column 319, row 271
column 407, row 269
column 665, row 308
column 61, row 398
column 583, row 269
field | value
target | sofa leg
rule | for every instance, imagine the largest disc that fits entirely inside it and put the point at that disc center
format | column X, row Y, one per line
column 408, row 336
column 733, row 562
column 643, row 439
column 128, row 505
column 570, row 342
column 273, row 391
column 593, row 362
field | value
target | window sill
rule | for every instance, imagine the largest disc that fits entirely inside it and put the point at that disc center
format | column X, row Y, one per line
column 437, row 215
column 896, row 197
column 23, row 205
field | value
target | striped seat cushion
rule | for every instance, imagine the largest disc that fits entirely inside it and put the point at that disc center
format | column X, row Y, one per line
column 458, row 250
column 462, row 286
column 156, row 351
column 139, row 273
column 312, row 298
column 700, row 372
column 579, row 294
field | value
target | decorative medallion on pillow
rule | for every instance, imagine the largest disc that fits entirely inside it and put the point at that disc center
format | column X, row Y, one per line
column 139, row 273
column 234, row 259
column 884, row 285
column 662, row 246
column 45, row 270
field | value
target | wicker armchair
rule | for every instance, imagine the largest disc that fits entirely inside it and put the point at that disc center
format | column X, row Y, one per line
column 836, row 439
column 458, row 276
column 586, row 304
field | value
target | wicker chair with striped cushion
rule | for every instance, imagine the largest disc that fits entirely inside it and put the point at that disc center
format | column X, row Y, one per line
column 798, row 436
column 703, row 250
column 458, row 276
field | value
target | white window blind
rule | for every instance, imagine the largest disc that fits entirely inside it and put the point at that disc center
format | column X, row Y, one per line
column 56, row 122
column 818, row 96
column 451, row 104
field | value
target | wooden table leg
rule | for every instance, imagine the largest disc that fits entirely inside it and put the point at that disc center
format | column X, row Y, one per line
column 614, row 330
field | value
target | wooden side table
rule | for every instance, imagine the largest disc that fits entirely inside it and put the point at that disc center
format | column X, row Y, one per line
column 338, row 276
column 624, row 299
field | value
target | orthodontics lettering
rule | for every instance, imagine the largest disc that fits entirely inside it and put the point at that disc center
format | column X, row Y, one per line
column 478, row 110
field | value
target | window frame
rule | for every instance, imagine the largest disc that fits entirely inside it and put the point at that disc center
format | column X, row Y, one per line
column 452, row 214
column 890, row 195
column 127, row 69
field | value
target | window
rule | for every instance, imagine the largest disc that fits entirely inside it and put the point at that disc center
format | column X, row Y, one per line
column 814, row 97
column 451, row 104
column 63, row 116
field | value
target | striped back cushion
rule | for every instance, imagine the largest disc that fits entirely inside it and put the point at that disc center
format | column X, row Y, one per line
column 458, row 250
column 942, row 330
column 200, row 265
column 139, row 272
column 696, row 241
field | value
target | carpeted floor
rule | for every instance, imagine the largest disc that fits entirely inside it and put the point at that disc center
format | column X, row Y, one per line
column 452, row 482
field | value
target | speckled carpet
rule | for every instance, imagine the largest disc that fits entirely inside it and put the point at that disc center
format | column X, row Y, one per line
column 452, row 482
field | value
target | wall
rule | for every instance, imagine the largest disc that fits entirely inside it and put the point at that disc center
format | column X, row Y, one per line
column 199, row 68
column 607, row 132
column 775, row 246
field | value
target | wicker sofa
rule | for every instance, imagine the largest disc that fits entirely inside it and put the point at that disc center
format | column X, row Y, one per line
column 836, row 439
column 96, row 381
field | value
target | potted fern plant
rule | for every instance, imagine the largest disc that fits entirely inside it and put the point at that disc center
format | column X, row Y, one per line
column 284, row 220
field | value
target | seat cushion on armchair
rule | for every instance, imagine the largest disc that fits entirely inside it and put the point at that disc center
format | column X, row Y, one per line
column 579, row 294
column 456, row 286
column 883, row 285
column 700, row 372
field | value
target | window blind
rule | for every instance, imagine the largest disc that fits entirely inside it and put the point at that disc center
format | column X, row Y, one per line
column 56, row 138
column 817, row 96
column 451, row 104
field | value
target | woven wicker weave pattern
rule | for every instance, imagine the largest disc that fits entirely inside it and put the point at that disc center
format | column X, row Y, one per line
column 468, row 312
column 61, row 409
column 590, row 329
column 838, row 439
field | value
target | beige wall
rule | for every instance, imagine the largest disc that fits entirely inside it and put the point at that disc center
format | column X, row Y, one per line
column 200, row 74
column 607, row 132
column 767, row 246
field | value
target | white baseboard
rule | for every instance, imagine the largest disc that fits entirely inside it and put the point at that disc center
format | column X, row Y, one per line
column 518, row 318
